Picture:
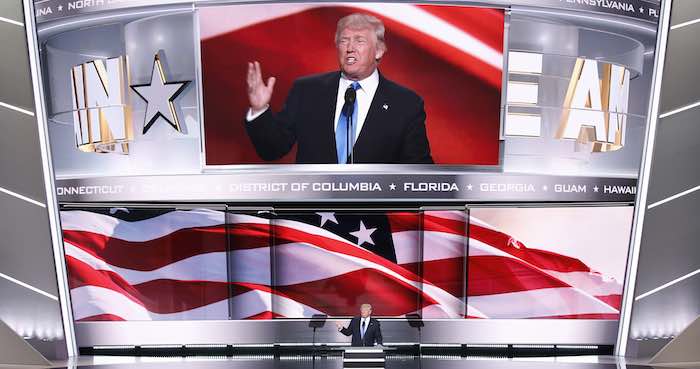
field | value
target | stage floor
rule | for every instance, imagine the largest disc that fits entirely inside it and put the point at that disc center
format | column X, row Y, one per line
column 406, row 362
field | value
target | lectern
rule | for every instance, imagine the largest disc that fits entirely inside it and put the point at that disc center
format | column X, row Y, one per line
column 364, row 357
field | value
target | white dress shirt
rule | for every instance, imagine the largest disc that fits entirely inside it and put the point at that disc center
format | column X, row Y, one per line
column 363, row 320
column 365, row 94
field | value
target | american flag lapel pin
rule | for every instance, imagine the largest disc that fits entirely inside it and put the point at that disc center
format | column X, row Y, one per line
column 385, row 106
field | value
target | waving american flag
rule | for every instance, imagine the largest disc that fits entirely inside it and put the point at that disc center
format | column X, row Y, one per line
column 144, row 264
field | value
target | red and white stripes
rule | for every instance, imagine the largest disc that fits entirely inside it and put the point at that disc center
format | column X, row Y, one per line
column 191, row 265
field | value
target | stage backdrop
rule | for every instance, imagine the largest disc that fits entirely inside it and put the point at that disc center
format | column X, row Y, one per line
column 205, row 264
column 451, row 56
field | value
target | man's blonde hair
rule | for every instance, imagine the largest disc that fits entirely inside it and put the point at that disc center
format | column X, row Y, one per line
column 366, row 306
column 361, row 21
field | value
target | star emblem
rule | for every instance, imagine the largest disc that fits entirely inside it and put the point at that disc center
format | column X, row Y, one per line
column 327, row 217
column 159, row 96
column 392, row 186
column 364, row 234
column 595, row 189
column 545, row 187
column 469, row 187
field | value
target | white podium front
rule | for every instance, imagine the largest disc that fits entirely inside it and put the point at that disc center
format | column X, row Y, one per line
column 364, row 357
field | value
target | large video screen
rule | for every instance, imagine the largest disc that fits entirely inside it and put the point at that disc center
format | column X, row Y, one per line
column 383, row 83
column 135, row 264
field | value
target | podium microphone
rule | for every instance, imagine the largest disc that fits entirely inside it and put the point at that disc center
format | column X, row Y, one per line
column 350, row 96
column 348, row 108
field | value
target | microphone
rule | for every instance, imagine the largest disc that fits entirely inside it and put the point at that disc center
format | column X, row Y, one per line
column 350, row 96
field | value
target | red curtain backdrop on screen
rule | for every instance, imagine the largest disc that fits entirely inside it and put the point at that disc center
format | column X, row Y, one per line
column 457, row 69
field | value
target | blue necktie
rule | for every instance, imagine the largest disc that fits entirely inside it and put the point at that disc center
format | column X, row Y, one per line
column 341, row 132
column 364, row 329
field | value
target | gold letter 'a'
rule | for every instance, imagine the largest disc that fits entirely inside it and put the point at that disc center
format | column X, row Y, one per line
column 595, row 108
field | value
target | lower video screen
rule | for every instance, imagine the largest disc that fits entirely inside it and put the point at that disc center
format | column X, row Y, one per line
column 555, row 263
column 134, row 264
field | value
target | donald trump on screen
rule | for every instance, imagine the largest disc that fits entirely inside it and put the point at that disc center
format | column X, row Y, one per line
column 353, row 115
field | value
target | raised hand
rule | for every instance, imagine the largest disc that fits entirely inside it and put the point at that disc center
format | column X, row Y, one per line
column 259, row 93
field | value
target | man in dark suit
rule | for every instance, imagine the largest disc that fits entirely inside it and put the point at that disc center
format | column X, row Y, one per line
column 364, row 329
column 387, row 123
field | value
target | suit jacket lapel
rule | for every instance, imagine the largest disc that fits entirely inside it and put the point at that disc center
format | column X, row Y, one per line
column 373, row 113
column 328, row 101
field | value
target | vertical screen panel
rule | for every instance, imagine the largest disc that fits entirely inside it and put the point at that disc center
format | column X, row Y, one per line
column 443, row 263
column 135, row 264
column 553, row 263
column 250, row 268
column 331, row 262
